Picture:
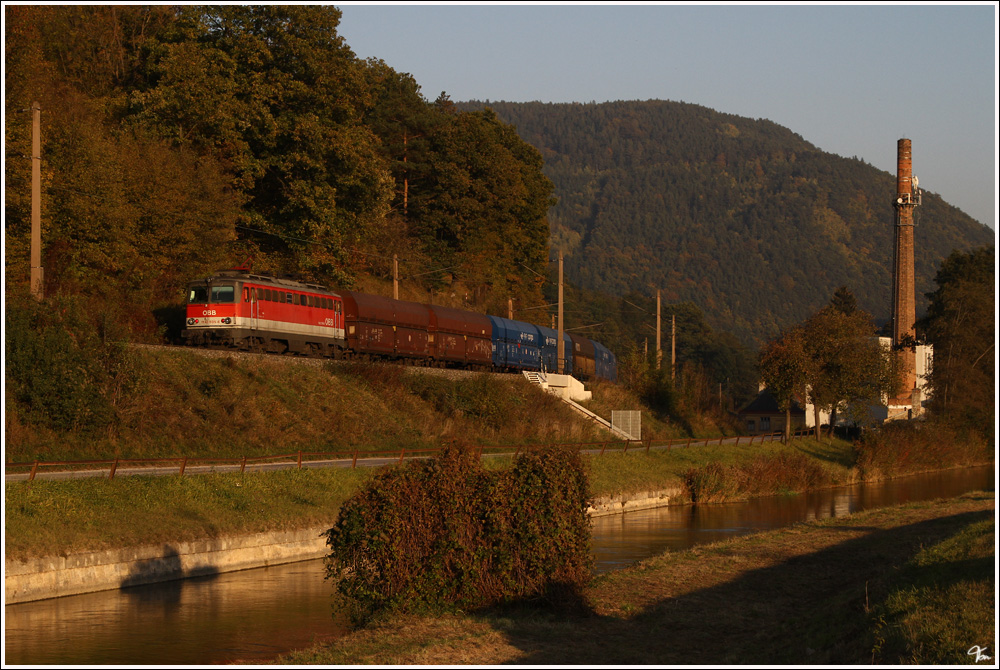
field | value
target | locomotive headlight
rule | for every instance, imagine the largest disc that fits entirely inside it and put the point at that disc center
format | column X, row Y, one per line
column 191, row 322
column 226, row 321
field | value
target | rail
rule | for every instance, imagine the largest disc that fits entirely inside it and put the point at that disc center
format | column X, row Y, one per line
column 189, row 465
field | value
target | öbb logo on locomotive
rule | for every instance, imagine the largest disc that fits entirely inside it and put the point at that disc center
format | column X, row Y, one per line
column 239, row 309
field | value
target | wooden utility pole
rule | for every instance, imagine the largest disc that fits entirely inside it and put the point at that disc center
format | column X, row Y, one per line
column 510, row 308
column 659, row 351
column 395, row 277
column 560, row 345
column 37, row 272
column 673, row 346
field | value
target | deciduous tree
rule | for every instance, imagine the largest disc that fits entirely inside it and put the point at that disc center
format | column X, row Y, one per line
column 961, row 324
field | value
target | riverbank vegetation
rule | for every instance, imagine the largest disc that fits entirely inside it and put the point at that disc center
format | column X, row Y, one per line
column 880, row 586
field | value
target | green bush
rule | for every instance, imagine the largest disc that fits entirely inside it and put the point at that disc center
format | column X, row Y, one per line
column 445, row 534
column 64, row 368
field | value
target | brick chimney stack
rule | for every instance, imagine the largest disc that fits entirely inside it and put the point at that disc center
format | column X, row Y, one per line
column 903, row 292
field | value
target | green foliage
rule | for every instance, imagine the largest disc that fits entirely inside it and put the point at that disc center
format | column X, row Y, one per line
column 62, row 370
column 834, row 358
column 445, row 534
column 764, row 474
column 846, row 367
column 178, row 140
column 961, row 324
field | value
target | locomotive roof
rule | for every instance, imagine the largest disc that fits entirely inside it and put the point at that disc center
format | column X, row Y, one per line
column 278, row 281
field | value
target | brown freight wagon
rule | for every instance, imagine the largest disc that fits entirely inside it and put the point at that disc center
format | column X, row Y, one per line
column 583, row 357
column 460, row 338
column 384, row 327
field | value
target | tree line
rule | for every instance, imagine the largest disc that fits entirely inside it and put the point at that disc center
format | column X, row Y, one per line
column 178, row 140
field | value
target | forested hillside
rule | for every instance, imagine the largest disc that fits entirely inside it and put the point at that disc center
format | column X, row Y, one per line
column 742, row 217
column 180, row 140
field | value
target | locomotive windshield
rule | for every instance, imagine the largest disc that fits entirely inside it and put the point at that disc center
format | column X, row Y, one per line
column 212, row 294
column 198, row 294
column 223, row 293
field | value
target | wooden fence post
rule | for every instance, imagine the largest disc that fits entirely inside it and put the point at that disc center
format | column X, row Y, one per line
column 300, row 459
column 354, row 463
column 34, row 469
column 401, row 453
column 114, row 466
column 183, row 465
column 243, row 465
column 649, row 443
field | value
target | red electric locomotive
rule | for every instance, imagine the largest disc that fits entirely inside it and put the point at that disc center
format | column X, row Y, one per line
column 238, row 309
column 235, row 308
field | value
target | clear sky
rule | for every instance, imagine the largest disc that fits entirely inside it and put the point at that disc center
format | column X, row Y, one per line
column 851, row 79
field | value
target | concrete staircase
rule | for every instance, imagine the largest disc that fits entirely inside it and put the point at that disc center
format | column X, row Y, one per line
column 570, row 390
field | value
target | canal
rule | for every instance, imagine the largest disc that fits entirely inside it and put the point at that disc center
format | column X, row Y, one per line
column 254, row 615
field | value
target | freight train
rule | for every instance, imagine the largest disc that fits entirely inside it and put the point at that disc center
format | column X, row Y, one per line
column 238, row 309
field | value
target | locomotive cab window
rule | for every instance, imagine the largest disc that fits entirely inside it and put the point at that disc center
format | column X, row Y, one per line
column 198, row 294
column 223, row 293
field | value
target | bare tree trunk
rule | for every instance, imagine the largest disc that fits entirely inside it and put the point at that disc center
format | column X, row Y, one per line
column 816, row 418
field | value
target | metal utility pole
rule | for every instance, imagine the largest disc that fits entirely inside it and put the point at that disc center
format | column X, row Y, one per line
column 560, row 345
column 395, row 277
column 659, row 352
column 37, row 272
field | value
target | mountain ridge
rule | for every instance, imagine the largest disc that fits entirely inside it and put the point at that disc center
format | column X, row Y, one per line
column 743, row 217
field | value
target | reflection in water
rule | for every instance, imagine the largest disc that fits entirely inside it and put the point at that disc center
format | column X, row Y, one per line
column 254, row 615
column 625, row 538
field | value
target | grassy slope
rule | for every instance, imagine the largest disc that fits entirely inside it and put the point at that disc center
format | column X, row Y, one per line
column 880, row 586
column 238, row 405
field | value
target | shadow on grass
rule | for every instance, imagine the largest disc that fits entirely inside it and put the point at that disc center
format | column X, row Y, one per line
column 809, row 609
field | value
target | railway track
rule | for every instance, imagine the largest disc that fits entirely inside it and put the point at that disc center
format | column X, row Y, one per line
column 293, row 359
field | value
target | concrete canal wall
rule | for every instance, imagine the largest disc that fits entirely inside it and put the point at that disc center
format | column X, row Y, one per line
column 57, row 576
